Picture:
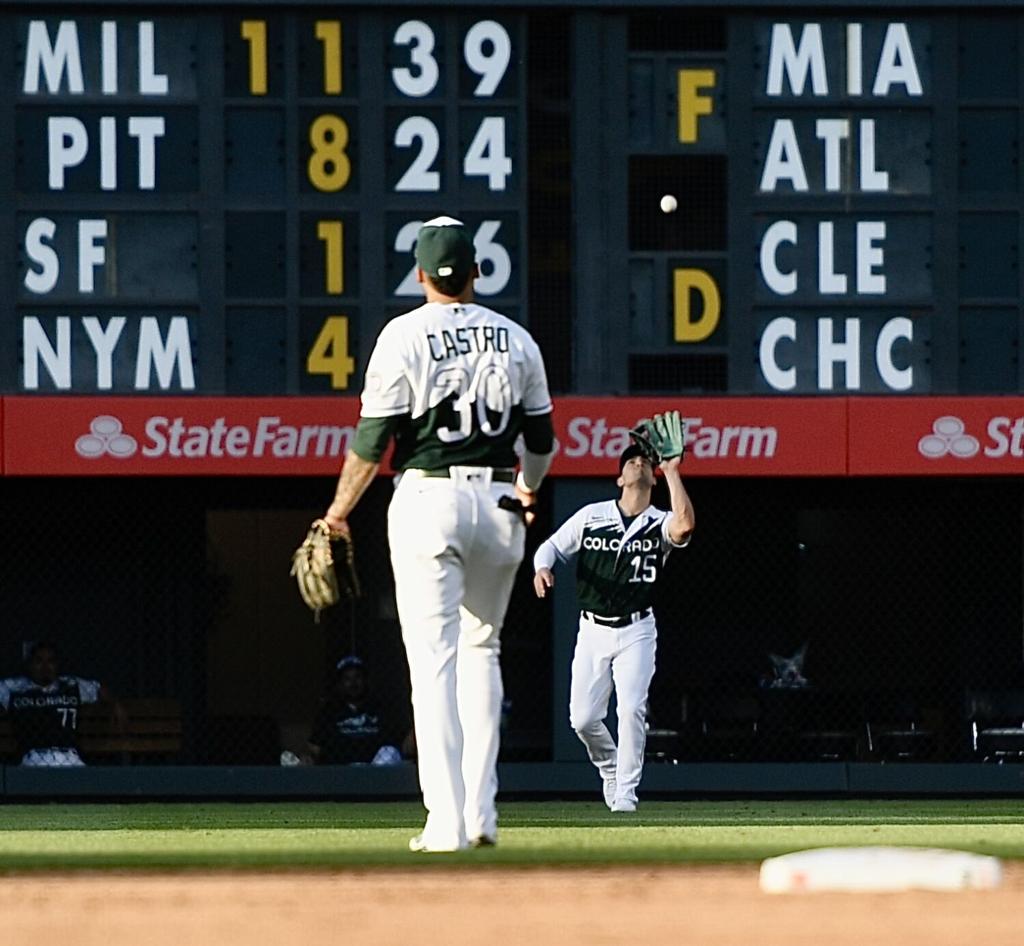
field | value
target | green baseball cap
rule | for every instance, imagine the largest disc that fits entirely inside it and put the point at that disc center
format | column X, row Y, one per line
column 444, row 249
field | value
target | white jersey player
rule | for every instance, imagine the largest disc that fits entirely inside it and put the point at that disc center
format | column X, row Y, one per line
column 621, row 546
column 454, row 384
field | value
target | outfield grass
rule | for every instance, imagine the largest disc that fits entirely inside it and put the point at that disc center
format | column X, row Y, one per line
column 332, row 834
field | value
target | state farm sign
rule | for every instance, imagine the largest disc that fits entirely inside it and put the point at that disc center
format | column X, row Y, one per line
column 928, row 435
column 725, row 436
column 178, row 435
column 301, row 436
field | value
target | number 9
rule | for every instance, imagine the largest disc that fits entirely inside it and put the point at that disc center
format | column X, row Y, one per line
column 489, row 66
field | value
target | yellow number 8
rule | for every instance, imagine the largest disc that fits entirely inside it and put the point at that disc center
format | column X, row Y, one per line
column 329, row 167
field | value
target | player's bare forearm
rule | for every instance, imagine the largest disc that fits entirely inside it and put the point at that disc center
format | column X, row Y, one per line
column 356, row 475
column 543, row 580
column 682, row 522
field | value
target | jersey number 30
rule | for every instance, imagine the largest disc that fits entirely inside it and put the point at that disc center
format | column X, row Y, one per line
column 487, row 393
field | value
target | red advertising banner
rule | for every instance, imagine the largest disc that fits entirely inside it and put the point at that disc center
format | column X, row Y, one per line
column 302, row 436
column 953, row 436
column 724, row 436
column 879, row 436
column 180, row 436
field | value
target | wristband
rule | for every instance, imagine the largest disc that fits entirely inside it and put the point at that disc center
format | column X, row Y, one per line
column 521, row 483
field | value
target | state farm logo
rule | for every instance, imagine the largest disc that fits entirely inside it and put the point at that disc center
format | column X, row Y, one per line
column 106, row 437
column 176, row 438
column 948, row 437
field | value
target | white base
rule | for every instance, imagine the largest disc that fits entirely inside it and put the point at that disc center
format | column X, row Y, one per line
column 879, row 869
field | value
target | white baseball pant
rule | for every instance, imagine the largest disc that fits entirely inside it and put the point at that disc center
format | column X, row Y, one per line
column 455, row 555
column 622, row 657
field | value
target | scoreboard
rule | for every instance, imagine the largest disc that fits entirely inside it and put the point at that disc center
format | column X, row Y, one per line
column 228, row 203
column 224, row 200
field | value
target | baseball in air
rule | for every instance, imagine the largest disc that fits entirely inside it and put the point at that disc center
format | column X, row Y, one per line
column 668, row 204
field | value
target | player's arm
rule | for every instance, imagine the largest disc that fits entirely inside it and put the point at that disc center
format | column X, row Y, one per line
column 361, row 464
column 680, row 525
column 560, row 547
column 538, row 429
column 539, row 440
column 386, row 399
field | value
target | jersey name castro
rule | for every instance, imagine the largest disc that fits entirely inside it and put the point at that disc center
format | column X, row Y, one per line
column 461, row 377
column 616, row 568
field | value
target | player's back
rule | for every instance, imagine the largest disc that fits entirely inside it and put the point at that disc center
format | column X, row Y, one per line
column 469, row 374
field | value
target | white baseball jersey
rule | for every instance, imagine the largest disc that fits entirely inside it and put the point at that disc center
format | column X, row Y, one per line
column 465, row 375
column 454, row 384
column 617, row 566
column 616, row 570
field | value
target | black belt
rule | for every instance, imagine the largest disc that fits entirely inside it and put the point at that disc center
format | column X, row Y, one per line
column 616, row 622
column 498, row 476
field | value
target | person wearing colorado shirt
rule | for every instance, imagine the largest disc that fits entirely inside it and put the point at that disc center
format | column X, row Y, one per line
column 44, row 708
column 620, row 546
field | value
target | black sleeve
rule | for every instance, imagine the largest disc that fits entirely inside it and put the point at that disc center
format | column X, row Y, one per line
column 539, row 433
column 373, row 435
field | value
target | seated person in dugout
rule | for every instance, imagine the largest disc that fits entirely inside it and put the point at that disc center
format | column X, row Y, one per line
column 350, row 726
column 44, row 707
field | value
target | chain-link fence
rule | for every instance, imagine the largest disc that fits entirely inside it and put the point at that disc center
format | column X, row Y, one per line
column 892, row 609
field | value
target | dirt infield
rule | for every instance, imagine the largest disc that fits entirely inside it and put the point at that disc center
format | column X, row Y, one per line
column 712, row 906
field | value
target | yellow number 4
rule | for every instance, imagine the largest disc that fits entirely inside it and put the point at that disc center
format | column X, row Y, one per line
column 329, row 354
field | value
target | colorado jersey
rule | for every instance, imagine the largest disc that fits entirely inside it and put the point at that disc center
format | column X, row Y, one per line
column 616, row 567
column 347, row 733
column 46, row 717
column 461, row 377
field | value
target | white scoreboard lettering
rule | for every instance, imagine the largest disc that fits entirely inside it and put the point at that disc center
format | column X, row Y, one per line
column 87, row 126
column 856, row 74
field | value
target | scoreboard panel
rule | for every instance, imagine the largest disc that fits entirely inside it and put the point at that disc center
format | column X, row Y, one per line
column 871, row 211
column 225, row 200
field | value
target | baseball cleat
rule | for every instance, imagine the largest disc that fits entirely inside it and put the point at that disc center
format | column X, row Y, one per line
column 483, row 841
column 624, row 807
column 610, row 788
column 418, row 846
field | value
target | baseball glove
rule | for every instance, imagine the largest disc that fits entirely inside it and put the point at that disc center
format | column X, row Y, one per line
column 660, row 438
column 669, row 435
column 644, row 437
column 313, row 567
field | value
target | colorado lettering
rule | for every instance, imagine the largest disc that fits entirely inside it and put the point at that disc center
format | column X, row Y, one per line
column 466, row 340
column 599, row 543
column 57, row 699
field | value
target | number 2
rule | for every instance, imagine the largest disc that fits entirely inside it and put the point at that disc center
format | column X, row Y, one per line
column 488, row 252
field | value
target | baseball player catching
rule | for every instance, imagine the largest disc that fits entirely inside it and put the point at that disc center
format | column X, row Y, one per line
column 454, row 384
column 620, row 546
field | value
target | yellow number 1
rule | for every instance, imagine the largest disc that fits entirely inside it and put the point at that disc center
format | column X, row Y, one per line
column 329, row 33
column 255, row 33
column 332, row 232
column 329, row 354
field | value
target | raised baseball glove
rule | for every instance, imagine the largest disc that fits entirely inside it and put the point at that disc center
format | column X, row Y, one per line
column 669, row 435
column 644, row 437
column 320, row 583
column 661, row 437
